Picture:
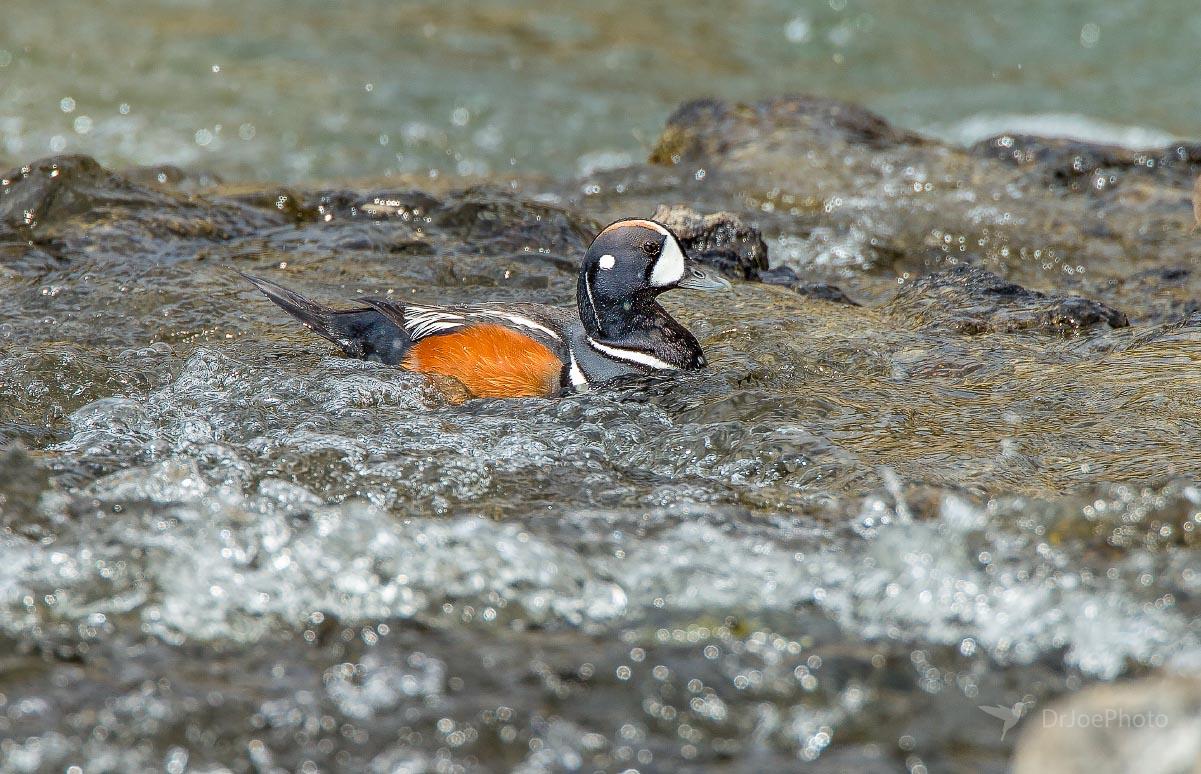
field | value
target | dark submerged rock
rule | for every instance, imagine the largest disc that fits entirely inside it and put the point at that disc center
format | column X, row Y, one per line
column 824, row 291
column 22, row 481
column 969, row 300
column 1065, row 160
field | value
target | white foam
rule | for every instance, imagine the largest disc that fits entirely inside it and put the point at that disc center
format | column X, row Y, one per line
column 1066, row 125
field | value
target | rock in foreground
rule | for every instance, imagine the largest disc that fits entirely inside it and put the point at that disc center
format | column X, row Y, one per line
column 1152, row 726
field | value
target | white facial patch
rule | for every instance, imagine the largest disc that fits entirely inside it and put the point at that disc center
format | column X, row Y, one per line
column 607, row 262
column 669, row 266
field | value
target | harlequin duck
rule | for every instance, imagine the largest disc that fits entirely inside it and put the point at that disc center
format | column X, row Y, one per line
column 531, row 350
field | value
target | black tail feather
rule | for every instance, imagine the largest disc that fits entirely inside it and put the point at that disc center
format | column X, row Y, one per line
column 363, row 333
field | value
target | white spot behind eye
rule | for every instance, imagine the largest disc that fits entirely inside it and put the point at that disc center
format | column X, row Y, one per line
column 607, row 261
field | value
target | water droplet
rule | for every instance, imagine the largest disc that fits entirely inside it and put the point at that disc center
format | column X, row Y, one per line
column 1090, row 35
column 797, row 30
column 66, row 104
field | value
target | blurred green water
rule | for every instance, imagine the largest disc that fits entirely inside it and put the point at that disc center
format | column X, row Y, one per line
column 309, row 90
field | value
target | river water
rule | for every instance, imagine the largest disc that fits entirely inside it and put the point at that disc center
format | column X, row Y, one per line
column 312, row 90
column 223, row 547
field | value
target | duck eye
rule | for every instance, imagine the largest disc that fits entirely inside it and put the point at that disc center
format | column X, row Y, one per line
column 651, row 247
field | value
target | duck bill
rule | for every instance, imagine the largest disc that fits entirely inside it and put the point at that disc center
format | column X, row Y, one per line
column 698, row 278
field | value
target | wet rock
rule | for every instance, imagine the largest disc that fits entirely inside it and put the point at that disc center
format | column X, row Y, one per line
column 52, row 190
column 720, row 239
column 1151, row 726
column 1168, row 275
column 171, row 176
column 493, row 221
column 707, row 128
column 1065, row 160
column 480, row 221
column 68, row 205
column 970, row 300
column 390, row 205
column 824, row 291
column 294, row 206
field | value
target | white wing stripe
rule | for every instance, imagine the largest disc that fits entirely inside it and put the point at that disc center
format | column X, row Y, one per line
column 524, row 322
column 421, row 321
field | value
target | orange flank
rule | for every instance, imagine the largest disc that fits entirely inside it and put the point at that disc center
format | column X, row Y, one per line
column 490, row 360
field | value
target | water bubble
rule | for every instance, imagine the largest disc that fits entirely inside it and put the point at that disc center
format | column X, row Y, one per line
column 797, row 30
column 176, row 761
column 840, row 36
column 1090, row 35
column 203, row 137
column 83, row 124
column 246, row 131
column 123, row 109
column 66, row 104
column 58, row 143
column 460, row 116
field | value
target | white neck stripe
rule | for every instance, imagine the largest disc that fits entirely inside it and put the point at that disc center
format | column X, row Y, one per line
column 630, row 355
column 576, row 375
column 591, row 300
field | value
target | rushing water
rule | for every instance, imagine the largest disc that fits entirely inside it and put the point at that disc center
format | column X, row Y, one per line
column 228, row 547
column 225, row 548
column 312, row 90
